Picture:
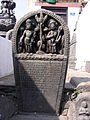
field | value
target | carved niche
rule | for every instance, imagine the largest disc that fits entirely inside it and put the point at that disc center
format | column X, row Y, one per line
column 41, row 33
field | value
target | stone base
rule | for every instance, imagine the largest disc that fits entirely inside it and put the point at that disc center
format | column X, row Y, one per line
column 37, row 117
column 41, row 82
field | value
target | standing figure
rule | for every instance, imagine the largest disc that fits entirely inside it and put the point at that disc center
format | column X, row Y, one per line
column 51, row 37
column 26, row 40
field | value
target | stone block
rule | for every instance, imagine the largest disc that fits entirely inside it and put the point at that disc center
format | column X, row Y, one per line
column 84, row 87
column 75, row 81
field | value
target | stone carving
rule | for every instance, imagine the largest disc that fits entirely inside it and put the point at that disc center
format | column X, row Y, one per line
column 41, row 35
column 40, row 50
column 7, row 18
column 7, row 8
column 83, row 111
column 80, row 107
column 26, row 40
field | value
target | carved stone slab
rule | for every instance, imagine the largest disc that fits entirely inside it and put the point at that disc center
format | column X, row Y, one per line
column 80, row 108
column 40, row 49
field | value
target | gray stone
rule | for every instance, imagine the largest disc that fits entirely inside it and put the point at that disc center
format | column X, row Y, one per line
column 40, row 50
column 35, row 117
column 9, row 34
column 71, row 112
column 62, row 117
column 69, row 86
column 67, row 104
column 83, row 106
column 7, row 18
column 64, row 113
column 75, row 81
column 7, row 81
column 7, row 108
column 80, row 108
column 38, row 117
column 84, row 87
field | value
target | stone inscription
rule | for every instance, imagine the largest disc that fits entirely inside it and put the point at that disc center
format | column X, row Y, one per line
column 39, row 82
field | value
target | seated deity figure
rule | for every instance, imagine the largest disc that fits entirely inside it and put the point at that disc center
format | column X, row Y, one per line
column 83, row 111
column 26, row 40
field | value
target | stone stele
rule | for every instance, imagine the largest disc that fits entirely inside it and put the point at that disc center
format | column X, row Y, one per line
column 40, row 52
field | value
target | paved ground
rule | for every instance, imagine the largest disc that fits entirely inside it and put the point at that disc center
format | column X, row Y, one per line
column 37, row 117
column 7, row 80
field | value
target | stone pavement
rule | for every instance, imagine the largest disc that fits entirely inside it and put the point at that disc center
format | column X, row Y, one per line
column 7, row 80
column 37, row 117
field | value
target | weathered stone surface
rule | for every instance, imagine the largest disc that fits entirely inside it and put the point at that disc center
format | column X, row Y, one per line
column 9, row 34
column 69, row 86
column 38, row 117
column 7, row 107
column 61, row 117
column 35, row 117
column 64, row 113
column 72, row 112
column 75, row 81
column 84, row 87
column 80, row 108
column 40, row 88
column 7, row 81
column 83, row 106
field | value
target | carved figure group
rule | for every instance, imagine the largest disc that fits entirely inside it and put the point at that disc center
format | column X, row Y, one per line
column 41, row 35
column 7, row 8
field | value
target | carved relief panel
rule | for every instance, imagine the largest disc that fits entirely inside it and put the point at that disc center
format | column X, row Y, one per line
column 41, row 33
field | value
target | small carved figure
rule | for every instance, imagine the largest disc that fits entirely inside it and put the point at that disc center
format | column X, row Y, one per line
column 26, row 40
column 83, row 111
column 7, row 8
column 53, row 37
column 4, row 9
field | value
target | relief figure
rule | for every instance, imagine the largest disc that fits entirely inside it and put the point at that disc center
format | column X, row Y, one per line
column 26, row 40
column 53, row 37
column 84, row 111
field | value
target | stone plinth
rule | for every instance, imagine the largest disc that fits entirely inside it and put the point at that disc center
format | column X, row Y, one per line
column 40, row 83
